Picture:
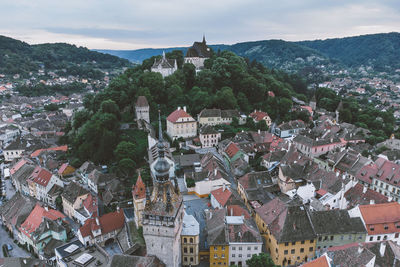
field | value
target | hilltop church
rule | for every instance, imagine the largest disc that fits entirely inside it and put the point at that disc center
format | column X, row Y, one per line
column 198, row 53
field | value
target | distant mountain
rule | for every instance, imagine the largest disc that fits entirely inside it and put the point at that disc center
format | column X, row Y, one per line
column 378, row 51
column 19, row 57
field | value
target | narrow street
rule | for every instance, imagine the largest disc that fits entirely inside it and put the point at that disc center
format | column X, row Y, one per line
column 16, row 251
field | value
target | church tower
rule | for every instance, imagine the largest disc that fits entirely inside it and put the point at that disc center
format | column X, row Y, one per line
column 139, row 197
column 163, row 213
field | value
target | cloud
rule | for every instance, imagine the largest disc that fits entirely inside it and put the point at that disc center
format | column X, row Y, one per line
column 130, row 24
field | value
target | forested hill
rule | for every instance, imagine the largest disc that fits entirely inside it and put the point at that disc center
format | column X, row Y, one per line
column 379, row 51
column 19, row 57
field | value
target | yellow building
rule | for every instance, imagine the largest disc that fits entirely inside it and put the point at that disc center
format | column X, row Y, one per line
column 217, row 238
column 72, row 198
column 288, row 233
column 190, row 241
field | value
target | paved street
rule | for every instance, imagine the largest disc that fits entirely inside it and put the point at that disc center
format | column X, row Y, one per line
column 10, row 191
column 16, row 251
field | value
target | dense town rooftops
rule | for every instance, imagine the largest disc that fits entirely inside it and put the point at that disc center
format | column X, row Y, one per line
column 326, row 222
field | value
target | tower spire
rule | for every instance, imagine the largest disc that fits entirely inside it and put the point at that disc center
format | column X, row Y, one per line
column 163, row 54
column 204, row 38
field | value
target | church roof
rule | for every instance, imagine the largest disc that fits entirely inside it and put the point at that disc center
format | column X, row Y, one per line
column 164, row 62
column 199, row 49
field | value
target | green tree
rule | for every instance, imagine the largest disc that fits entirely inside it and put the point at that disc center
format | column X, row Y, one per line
column 260, row 260
column 225, row 99
column 189, row 73
column 125, row 150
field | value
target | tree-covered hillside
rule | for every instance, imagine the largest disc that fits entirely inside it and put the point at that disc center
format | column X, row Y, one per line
column 18, row 57
column 381, row 51
column 227, row 82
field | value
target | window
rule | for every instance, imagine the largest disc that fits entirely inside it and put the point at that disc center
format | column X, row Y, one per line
column 293, row 243
column 371, row 238
column 293, row 251
column 233, row 248
column 349, row 237
column 215, row 256
column 286, row 252
column 378, row 238
column 223, row 255
column 223, row 248
column 331, row 237
column 386, row 227
column 191, row 250
column 240, row 255
column 248, row 255
column 384, row 237
column 191, row 240
column 185, row 249
column 312, row 241
column 396, row 235
column 184, row 258
column 248, row 248
column 184, row 240
column 301, row 250
column 286, row 244
column 215, row 248
column 191, row 259
column 371, row 228
column 255, row 248
column 233, row 255
column 302, row 242
column 311, row 249
column 240, row 248
column 320, row 238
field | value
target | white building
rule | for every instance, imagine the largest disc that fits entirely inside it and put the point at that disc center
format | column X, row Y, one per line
column 164, row 66
column 197, row 54
column 209, row 137
column 181, row 124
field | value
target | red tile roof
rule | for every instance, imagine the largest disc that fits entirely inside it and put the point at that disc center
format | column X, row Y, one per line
column 17, row 166
column 35, row 218
column 236, row 210
column 308, row 108
column 36, row 153
column 318, row 262
column 108, row 223
column 62, row 168
column 221, row 195
column 258, row 115
column 139, row 190
column 355, row 196
column 177, row 114
column 231, row 150
column 41, row 176
column 381, row 216
column 90, row 203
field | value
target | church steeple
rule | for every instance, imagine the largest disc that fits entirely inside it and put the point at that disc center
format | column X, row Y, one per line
column 204, row 38
column 162, row 166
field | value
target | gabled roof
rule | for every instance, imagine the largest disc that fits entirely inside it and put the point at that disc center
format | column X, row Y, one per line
column 222, row 195
column 231, row 150
column 18, row 165
column 73, row 191
column 177, row 114
column 108, row 223
column 41, row 176
column 90, row 204
column 322, row 261
column 35, row 218
column 199, row 49
column 36, row 153
column 258, row 115
column 381, row 215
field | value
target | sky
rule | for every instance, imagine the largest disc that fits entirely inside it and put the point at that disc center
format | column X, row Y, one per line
column 134, row 24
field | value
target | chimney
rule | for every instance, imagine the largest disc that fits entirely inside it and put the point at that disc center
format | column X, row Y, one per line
column 46, row 208
column 231, row 211
column 97, row 221
column 365, row 188
column 223, row 187
column 210, row 214
column 118, row 209
column 382, row 248
column 372, row 202
column 390, row 198
column 215, row 172
column 184, row 108
column 179, row 108
column 259, row 131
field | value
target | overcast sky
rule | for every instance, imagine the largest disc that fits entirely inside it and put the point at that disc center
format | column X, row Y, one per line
column 132, row 24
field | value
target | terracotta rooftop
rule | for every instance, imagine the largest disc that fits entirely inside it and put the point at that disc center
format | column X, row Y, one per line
column 231, row 150
column 177, row 114
column 108, row 223
column 41, row 176
column 318, row 262
column 36, row 153
column 35, row 218
column 381, row 218
column 258, row 115
column 221, row 195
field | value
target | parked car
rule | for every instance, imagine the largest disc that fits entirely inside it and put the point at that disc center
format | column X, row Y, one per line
column 9, row 247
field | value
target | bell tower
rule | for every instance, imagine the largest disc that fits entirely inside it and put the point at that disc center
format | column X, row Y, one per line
column 163, row 212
